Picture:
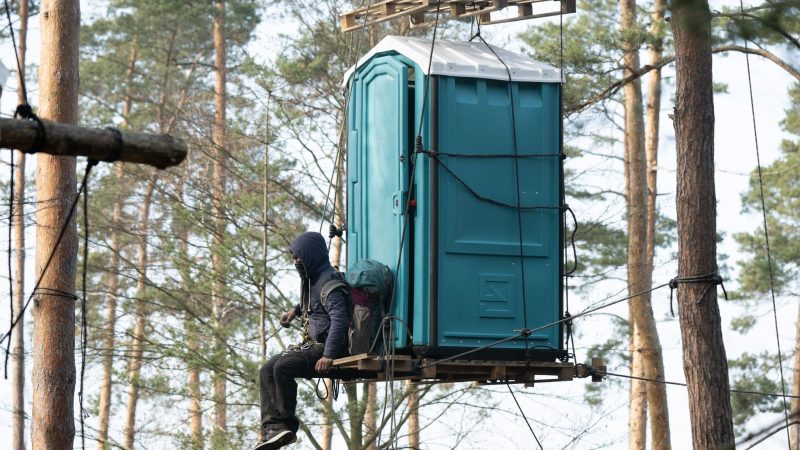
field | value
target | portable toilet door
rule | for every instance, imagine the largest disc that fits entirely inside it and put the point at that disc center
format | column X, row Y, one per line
column 467, row 277
column 378, row 173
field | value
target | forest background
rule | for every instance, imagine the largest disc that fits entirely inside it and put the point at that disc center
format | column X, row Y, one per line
column 284, row 64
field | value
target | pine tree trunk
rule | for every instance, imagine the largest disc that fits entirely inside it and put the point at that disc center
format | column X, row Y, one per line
column 113, row 277
column 639, row 275
column 704, row 360
column 637, row 425
column 356, row 416
column 413, row 416
column 18, row 224
column 371, row 416
column 219, row 439
column 111, row 319
column 137, row 339
column 794, row 431
column 53, row 376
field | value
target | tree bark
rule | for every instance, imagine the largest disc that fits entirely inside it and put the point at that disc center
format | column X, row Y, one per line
column 413, row 416
column 637, row 418
column 794, row 431
column 704, row 360
column 639, row 274
column 111, row 319
column 158, row 150
column 219, row 439
column 53, row 377
column 137, row 339
column 18, row 225
column 371, row 416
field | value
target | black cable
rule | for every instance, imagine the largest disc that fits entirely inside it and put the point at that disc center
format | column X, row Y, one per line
column 514, row 144
column 514, row 396
column 84, row 329
column 766, row 236
column 542, row 327
column 418, row 147
column 477, row 195
column 48, row 291
column 345, row 113
column 675, row 383
column 16, row 53
column 10, row 273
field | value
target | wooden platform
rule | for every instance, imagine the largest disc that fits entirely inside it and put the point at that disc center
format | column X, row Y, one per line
column 365, row 367
column 421, row 12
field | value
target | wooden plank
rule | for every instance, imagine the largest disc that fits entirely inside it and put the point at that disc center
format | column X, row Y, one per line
column 159, row 150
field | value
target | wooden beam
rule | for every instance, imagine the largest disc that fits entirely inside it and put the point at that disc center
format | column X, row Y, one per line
column 417, row 10
column 159, row 150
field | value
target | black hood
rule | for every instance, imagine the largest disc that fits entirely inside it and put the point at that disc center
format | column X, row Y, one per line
column 311, row 249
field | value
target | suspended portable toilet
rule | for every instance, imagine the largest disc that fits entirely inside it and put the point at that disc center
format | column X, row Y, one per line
column 460, row 282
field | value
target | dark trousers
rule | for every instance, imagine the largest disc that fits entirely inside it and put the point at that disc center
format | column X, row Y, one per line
column 279, row 389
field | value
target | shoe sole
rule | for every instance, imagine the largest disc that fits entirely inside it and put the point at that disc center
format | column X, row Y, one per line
column 280, row 440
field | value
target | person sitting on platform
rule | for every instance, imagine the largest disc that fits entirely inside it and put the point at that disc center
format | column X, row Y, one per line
column 324, row 339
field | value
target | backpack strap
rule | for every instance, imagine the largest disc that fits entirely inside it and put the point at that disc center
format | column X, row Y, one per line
column 330, row 286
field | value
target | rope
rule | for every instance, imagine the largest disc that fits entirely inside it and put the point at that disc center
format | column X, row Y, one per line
column 675, row 383
column 526, row 332
column 477, row 195
column 712, row 279
column 345, row 112
column 510, row 89
column 10, row 270
column 514, row 396
column 418, row 148
column 49, row 291
column 766, row 236
column 84, row 330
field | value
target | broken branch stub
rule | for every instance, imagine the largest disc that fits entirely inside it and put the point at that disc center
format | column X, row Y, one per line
column 159, row 150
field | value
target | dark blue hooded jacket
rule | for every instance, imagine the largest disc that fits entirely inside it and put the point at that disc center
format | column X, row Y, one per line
column 328, row 326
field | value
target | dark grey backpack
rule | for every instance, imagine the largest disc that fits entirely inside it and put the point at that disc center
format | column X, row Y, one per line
column 368, row 290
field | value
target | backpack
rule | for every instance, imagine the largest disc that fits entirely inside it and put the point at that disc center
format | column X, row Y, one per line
column 368, row 288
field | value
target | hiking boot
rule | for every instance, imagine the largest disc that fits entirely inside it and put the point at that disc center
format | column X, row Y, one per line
column 276, row 439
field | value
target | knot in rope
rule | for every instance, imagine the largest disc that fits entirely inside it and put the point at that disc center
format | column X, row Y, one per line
column 711, row 279
column 25, row 111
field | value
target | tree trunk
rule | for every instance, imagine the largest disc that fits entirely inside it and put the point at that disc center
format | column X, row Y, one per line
column 371, row 416
column 794, row 431
column 113, row 277
column 219, row 439
column 53, row 377
column 639, row 275
column 637, row 420
column 111, row 319
column 704, row 360
column 18, row 224
column 413, row 416
column 137, row 344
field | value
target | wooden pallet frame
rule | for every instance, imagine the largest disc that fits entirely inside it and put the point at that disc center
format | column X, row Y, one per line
column 365, row 367
column 421, row 12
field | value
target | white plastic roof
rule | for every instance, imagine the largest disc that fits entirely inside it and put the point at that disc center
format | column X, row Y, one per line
column 462, row 59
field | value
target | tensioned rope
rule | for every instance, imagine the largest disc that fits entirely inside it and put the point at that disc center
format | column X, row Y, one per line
column 518, row 204
column 355, row 55
column 388, row 320
column 524, row 417
column 766, row 235
column 676, row 383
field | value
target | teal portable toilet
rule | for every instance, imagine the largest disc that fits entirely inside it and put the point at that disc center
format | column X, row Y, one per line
column 464, row 280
